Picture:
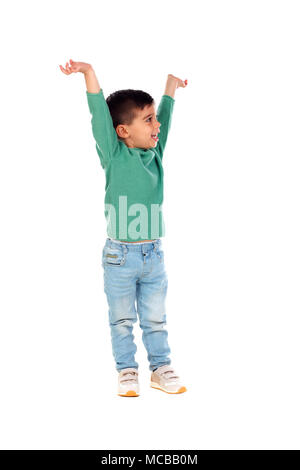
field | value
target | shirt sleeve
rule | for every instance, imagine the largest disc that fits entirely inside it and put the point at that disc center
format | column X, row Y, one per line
column 164, row 116
column 107, row 142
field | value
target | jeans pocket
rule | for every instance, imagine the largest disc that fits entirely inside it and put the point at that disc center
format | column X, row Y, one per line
column 160, row 254
column 113, row 257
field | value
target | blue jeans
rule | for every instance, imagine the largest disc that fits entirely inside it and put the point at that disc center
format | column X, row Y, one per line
column 135, row 282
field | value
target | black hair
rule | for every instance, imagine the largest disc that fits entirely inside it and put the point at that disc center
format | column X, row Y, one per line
column 123, row 104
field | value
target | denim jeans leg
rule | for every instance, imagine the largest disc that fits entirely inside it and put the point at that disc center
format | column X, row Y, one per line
column 120, row 289
column 151, row 295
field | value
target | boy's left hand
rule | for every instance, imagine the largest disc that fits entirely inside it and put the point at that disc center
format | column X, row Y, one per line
column 178, row 81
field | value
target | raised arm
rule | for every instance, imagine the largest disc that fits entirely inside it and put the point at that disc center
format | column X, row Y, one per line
column 165, row 110
column 107, row 143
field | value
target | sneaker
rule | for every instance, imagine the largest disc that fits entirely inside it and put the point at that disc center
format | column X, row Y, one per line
column 165, row 379
column 128, row 385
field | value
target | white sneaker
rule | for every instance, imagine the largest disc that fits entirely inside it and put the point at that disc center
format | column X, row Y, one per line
column 165, row 379
column 128, row 385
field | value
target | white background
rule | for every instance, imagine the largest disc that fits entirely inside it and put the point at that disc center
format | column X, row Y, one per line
column 232, row 225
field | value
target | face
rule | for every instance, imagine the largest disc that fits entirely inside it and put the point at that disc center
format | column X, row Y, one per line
column 140, row 133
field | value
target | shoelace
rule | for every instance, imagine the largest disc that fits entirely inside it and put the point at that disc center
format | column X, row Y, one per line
column 132, row 377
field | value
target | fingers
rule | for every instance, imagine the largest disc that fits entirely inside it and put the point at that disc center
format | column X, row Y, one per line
column 64, row 70
column 180, row 83
column 67, row 70
column 183, row 83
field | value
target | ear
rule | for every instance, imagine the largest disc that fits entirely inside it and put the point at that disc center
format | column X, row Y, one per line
column 122, row 131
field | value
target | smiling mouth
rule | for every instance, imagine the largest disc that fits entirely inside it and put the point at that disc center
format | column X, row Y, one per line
column 155, row 137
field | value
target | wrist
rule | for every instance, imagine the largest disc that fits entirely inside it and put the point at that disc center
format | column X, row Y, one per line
column 88, row 70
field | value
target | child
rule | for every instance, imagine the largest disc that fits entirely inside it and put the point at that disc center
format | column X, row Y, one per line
column 130, row 141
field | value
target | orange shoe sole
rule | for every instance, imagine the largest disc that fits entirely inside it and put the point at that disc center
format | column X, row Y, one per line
column 181, row 390
column 130, row 393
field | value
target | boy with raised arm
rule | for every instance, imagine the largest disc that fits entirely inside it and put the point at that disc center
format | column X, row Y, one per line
column 130, row 140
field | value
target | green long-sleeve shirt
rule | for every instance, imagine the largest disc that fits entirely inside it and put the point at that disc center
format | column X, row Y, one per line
column 134, row 176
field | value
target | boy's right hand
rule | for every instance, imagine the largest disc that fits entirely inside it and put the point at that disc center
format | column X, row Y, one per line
column 75, row 67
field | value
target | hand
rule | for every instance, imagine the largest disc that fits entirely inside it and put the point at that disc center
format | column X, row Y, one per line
column 177, row 81
column 75, row 67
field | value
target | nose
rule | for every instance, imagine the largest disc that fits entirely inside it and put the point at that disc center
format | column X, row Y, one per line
column 158, row 125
